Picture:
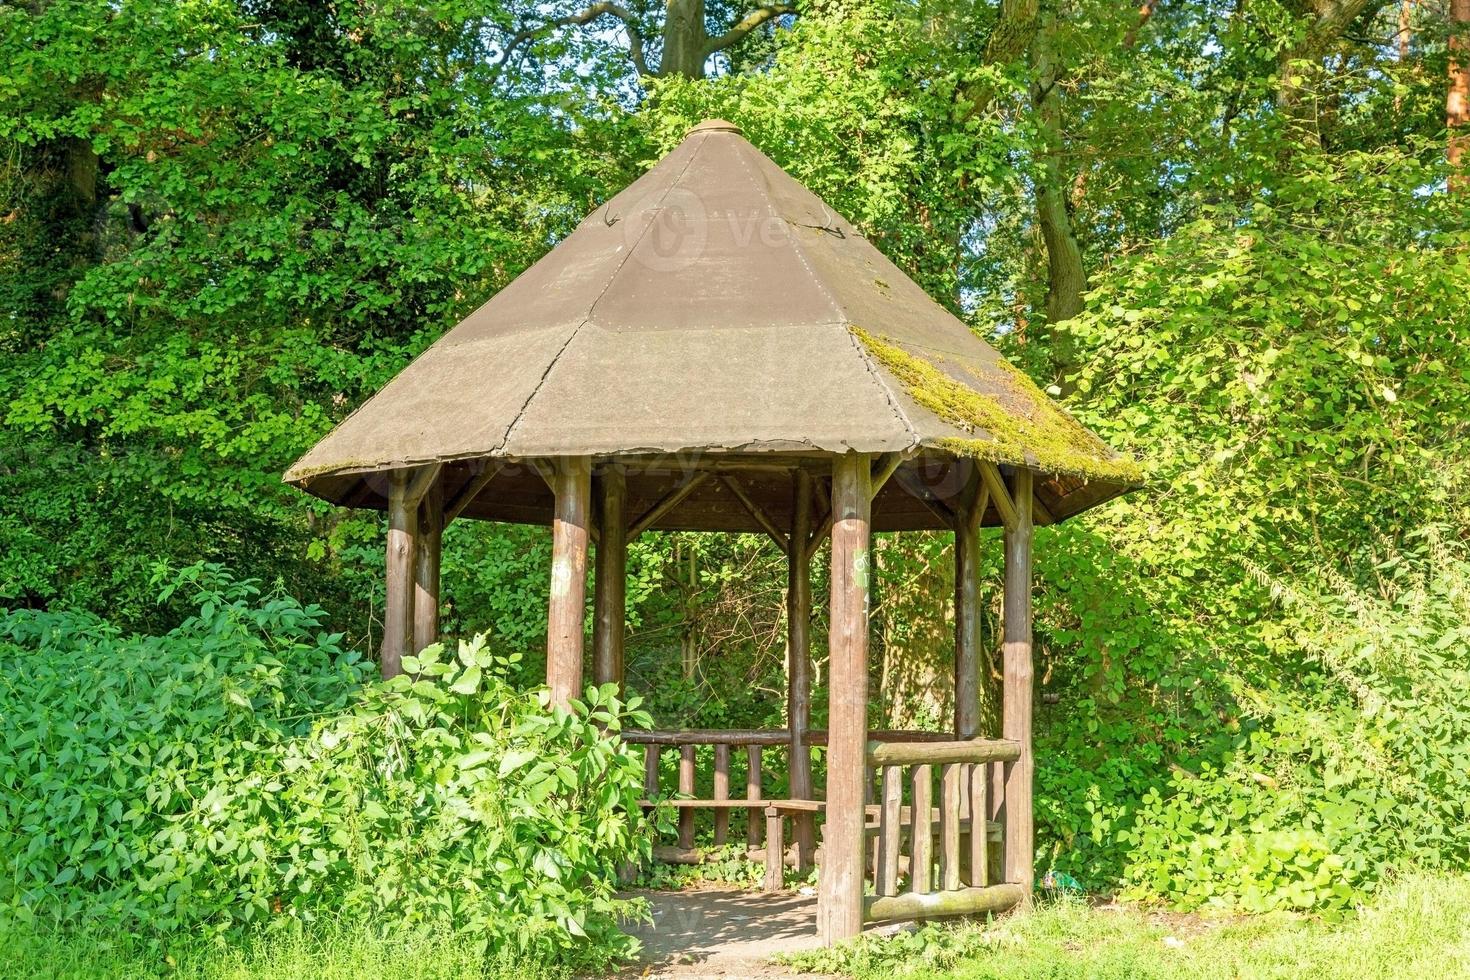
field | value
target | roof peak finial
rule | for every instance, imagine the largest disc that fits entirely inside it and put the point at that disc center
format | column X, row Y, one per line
column 714, row 126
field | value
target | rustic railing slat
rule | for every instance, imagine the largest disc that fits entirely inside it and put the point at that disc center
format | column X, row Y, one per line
column 949, row 827
column 753, row 828
column 921, row 851
column 978, row 778
column 722, row 792
column 686, row 787
column 889, row 826
column 650, row 771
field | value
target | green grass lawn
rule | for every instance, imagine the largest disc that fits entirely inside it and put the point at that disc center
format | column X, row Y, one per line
column 325, row 954
column 1418, row 928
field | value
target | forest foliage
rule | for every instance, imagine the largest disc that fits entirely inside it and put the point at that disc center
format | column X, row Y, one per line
column 1225, row 235
column 241, row 770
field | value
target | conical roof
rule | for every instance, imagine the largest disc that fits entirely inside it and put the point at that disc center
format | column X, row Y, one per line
column 713, row 306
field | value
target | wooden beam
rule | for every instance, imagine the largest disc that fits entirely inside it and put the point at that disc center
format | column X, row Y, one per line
column 423, row 479
column 609, row 600
column 427, row 558
column 940, row 510
column 666, row 503
column 967, row 657
column 1005, row 506
column 567, row 610
column 1016, row 690
column 840, row 902
column 884, row 468
column 799, row 664
column 935, row 753
column 470, row 491
column 963, row 901
column 1040, row 515
column 758, row 512
column 398, row 608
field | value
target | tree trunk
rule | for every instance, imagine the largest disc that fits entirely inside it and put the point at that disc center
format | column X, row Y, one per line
column 1066, row 275
column 1457, row 103
column 685, row 39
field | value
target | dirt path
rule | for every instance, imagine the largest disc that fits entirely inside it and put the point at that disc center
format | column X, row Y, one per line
column 723, row 933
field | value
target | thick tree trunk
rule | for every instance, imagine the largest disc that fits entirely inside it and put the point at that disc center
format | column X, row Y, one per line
column 1066, row 278
column 1457, row 103
column 685, row 39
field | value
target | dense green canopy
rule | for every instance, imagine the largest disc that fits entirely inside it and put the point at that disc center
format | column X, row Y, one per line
column 1221, row 233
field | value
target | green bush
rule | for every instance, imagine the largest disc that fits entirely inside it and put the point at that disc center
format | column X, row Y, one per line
column 1358, row 769
column 240, row 769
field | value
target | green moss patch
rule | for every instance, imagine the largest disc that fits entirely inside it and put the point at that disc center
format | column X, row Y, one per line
column 1032, row 431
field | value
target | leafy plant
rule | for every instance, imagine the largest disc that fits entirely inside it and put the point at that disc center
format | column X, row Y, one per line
column 242, row 770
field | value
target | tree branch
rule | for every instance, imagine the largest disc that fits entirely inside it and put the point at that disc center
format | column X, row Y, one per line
column 1145, row 12
column 748, row 23
column 602, row 9
column 1333, row 18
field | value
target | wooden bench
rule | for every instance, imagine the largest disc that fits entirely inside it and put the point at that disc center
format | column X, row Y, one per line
column 774, row 811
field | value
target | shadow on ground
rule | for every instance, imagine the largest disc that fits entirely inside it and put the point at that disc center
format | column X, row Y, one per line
column 723, row 932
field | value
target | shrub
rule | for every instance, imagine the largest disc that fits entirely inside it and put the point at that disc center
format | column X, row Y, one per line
column 1359, row 768
column 240, row 769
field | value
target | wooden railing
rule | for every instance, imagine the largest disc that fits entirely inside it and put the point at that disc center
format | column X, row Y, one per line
column 914, row 872
column 911, row 876
column 688, row 742
column 723, row 740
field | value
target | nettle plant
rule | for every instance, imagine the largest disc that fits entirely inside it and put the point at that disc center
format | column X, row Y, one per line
column 243, row 770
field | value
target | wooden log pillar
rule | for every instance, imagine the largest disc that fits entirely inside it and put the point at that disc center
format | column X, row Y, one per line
column 609, row 601
column 1016, row 688
column 799, row 667
column 398, row 611
column 967, row 679
column 572, row 484
column 840, row 902
column 428, row 555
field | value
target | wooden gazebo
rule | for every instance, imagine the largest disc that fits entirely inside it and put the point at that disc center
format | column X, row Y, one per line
column 715, row 349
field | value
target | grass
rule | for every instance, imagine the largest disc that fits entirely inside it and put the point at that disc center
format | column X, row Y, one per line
column 325, row 953
column 1419, row 926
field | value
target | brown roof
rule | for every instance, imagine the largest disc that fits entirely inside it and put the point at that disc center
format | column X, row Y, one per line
column 714, row 306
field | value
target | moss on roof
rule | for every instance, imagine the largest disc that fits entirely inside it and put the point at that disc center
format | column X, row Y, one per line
column 1032, row 431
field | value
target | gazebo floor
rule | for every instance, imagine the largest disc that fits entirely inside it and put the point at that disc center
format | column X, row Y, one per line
column 723, row 932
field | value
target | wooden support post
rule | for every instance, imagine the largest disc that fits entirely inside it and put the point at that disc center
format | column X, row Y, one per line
column 1016, row 691
column 398, row 634
column 840, row 904
column 967, row 668
column 722, row 792
column 775, row 850
column 609, row 599
column 921, row 850
column 567, row 613
column 799, row 665
column 427, row 557
column 753, row 827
